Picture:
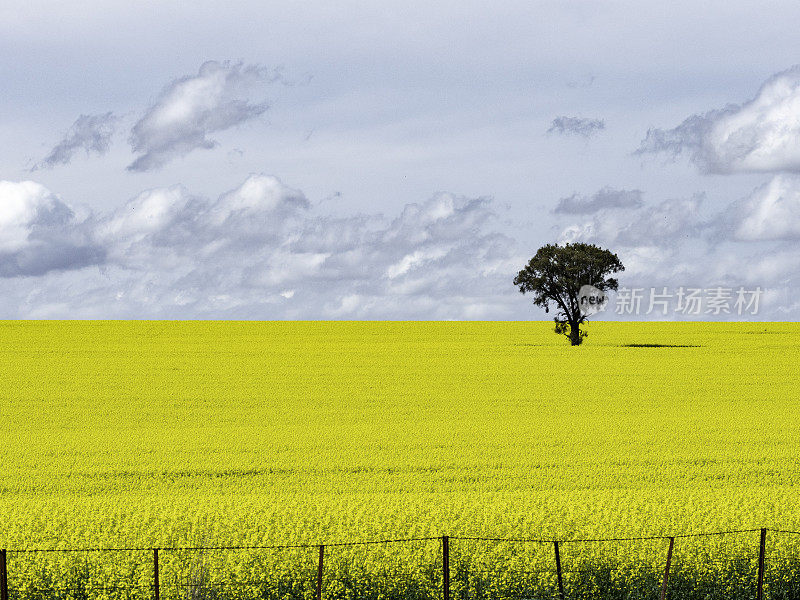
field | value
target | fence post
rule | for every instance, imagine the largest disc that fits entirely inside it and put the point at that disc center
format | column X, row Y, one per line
column 761, row 549
column 319, row 571
column 558, row 572
column 3, row 576
column 446, row 566
column 666, row 569
column 155, row 573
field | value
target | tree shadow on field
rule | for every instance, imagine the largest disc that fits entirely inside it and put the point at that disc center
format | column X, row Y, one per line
column 660, row 345
column 554, row 345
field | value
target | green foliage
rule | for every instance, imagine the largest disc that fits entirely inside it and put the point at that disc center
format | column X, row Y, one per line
column 136, row 434
column 556, row 274
column 566, row 328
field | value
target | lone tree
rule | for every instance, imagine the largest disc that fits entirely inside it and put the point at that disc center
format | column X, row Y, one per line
column 557, row 273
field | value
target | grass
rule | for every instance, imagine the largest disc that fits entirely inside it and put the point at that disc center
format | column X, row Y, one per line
column 161, row 434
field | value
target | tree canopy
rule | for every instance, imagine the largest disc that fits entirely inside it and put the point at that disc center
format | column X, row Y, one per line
column 555, row 276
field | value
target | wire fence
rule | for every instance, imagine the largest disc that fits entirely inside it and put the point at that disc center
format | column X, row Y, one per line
column 752, row 564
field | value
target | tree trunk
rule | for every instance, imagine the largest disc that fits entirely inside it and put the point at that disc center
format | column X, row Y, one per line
column 574, row 333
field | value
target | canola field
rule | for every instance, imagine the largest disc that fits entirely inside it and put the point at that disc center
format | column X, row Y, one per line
column 176, row 435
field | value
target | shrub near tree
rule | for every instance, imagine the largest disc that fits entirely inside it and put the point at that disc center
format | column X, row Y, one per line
column 556, row 274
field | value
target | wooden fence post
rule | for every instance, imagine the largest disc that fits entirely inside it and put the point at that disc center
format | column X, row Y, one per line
column 446, row 566
column 558, row 572
column 319, row 571
column 666, row 569
column 3, row 576
column 155, row 574
column 761, row 549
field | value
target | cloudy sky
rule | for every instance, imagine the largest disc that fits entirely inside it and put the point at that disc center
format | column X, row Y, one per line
column 354, row 160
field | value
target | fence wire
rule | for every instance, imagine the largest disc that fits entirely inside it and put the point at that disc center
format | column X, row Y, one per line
column 722, row 564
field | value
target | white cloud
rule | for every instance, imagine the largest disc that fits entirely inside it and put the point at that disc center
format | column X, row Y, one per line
column 259, row 251
column 761, row 135
column 151, row 212
column 770, row 212
column 258, row 194
column 91, row 133
column 778, row 268
column 259, row 209
column 671, row 244
column 172, row 221
column 667, row 221
column 414, row 260
column 607, row 197
column 285, row 267
column 581, row 232
column 40, row 233
column 663, row 223
column 191, row 108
